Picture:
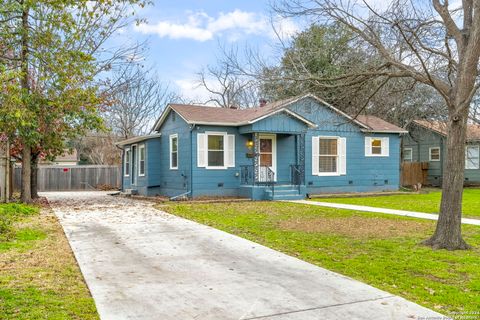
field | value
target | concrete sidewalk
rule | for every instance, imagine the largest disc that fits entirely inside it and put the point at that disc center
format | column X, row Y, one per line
column 142, row 263
column 404, row 213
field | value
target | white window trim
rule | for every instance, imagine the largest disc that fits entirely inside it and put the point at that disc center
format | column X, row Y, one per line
column 216, row 133
column 127, row 150
column 466, row 153
column 430, row 154
column 326, row 174
column 331, row 174
column 173, row 136
column 142, row 146
column 382, row 146
column 411, row 154
column 133, row 165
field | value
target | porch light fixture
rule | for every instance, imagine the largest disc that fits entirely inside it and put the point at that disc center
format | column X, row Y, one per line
column 249, row 144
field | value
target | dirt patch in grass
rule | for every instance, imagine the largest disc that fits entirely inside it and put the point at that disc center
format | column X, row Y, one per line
column 359, row 227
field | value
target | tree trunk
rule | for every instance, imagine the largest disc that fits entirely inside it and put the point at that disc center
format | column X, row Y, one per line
column 448, row 234
column 34, row 177
column 26, row 194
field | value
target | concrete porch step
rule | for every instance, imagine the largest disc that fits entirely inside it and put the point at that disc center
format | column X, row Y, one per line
column 284, row 194
column 129, row 192
column 285, row 187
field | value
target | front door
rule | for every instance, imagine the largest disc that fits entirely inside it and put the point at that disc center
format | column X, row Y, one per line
column 268, row 156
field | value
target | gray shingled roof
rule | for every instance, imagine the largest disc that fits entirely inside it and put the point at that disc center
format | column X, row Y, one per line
column 440, row 127
column 213, row 115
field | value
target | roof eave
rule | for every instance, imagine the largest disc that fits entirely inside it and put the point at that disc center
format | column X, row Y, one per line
column 283, row 109
column 161, row 119
column 164, row 115
column 137, row 139
column 431, row 129
column 384, row 131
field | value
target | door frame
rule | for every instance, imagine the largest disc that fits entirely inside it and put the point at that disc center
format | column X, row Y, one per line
column 272, row 136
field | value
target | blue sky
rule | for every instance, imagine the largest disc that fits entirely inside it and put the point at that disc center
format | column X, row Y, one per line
column 184, row 36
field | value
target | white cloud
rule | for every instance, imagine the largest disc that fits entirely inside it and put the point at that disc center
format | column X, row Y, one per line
column 200, row 26
column 284, row 28
column 249, row 22
column 175, row 31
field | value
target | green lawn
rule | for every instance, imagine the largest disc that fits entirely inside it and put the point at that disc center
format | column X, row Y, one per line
column 39, row 277
column 380, row 250
column 422, row 202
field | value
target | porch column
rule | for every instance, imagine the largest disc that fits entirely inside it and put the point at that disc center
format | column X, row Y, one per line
column 256, row 158
column 301, row 155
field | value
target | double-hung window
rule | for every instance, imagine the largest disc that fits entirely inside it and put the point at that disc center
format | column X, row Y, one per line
column 141, row 160
column 215, row 150
column 434, row 154
column 126, row 161
column 328, row 156
column 377, row 146
column 407, row 154
column 472, row 157
column 174, row 151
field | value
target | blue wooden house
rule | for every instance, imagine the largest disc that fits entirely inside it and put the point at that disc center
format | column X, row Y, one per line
column 281, row 150
column 426, row 142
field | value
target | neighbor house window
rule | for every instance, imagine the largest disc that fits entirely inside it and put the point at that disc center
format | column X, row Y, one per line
column 127, row 162
column 216, row 156
column 174, row 151
column 329, row 156
column 472, row 157
column 376, row 147
column 435, row 154
column 407, row 154
column 141, row 160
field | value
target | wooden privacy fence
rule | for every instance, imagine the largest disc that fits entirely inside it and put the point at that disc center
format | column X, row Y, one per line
column 414, row 173
column 71, row 178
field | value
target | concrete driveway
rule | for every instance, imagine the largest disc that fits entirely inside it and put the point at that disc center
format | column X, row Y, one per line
column 142, row 263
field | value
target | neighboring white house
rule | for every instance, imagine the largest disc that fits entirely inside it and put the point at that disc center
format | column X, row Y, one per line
column 68, row 158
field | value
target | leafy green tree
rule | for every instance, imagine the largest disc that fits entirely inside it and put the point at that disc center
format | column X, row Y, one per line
column 318, row 58
column 50, row 56
column 319, row 51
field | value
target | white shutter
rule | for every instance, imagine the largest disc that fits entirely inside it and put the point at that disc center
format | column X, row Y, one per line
column 342, row 156
column 385, row 147
column 315, row 155
column 230, row 162
column 201, row 150
column 368, row 146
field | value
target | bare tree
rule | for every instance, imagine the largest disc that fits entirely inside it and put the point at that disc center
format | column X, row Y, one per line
column 475, row 109
column 228, row 89
column 329, row 50
column 98, row 148
column 433, row 44
column 138, row 98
